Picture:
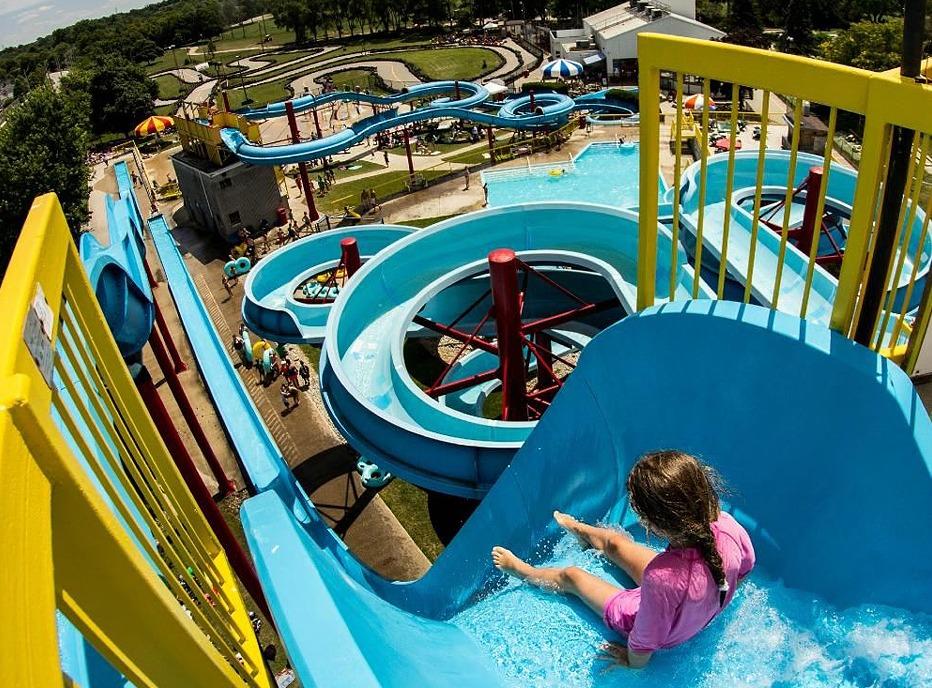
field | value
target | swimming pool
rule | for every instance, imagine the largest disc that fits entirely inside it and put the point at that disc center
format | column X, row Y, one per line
column 605, row 173
column 770, row 635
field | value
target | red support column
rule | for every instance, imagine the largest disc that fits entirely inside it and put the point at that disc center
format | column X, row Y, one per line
column 456, row 85
column 226, row 102
column 350, row 256
column 491, row 145
column 545, row 377
column 302, row 166
column 316, row 123
column 503, row 272
column 241, row 564
column 811, row 223
column 408, row 152
column 152, row 283
column 226, row 485
column 531, row 94
column 177, row 362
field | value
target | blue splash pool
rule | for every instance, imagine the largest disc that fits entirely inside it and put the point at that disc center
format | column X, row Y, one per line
column 605, row 173
column 770, row 635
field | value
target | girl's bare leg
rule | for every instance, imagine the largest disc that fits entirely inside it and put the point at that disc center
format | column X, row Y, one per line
column 592, row 590
column 630, row 556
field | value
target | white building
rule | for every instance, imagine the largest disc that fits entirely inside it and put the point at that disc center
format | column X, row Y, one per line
column 610, row 36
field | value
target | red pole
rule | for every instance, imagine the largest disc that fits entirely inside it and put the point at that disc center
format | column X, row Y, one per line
column 531, row 94
column 226, row 485
column 491, row 145
column 302, row 166
column 503, row 272
column 811, row 223
column 179, row 453
column 226, row 102
column 408, row 152
column 177, row 362
column 350, row 256
column 456, row 85
column 544, row 355
column 316, row 123
column 152, row 283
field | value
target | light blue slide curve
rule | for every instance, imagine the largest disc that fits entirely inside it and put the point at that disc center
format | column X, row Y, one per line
column 116, row 271
column 684, row 375
column 839, row 197
column 550, row 109
column 365, row 386
column 269, row 307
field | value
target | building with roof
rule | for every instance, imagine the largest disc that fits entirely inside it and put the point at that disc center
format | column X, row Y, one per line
column 607, row 40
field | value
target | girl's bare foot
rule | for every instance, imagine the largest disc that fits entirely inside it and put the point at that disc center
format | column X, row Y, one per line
column 572, row 526
column 507, row 561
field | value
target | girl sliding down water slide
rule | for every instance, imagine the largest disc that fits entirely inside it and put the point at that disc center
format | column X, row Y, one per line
column 680, row 589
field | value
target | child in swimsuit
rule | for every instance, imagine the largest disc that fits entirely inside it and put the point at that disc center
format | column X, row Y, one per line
column 680, row 589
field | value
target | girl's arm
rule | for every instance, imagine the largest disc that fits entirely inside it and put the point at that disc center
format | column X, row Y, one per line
column 626, row 657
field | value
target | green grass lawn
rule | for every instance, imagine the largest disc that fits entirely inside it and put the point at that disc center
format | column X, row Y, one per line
column 167, row 61
column 277, row 58
column 385, row 184
column 409, row 504
column 349, row 79
column 359, row 166
column 260, row 95
column 171, row 87
column 451, row 63
column 166, row 110
column 250, row 35
column 422, row 222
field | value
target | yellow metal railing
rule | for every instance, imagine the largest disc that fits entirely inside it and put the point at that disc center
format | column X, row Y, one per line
column 96, row 520
column 883, row 100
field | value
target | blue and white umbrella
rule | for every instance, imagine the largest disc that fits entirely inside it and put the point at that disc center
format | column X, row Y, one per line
column 562, row 69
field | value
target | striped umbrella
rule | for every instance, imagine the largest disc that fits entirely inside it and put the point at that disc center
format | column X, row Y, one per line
column 697, row 102
column 562, row 69
column 153, row 125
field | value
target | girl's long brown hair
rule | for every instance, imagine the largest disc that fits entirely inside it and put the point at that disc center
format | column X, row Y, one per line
column 678, row 495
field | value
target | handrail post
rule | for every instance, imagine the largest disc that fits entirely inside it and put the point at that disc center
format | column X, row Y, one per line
column 649, row 97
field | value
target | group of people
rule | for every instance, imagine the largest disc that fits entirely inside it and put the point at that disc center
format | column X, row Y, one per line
column 325, row 180
column 295, row 375
column 368, row 200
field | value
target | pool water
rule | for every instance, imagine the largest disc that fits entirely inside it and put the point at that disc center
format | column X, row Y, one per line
column 605, row 173
column 769, row 635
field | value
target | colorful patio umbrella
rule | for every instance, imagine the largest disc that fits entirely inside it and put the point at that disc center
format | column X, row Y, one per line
column 153, row 125
column 697, row 102
column 724, row 144
column 562, row 69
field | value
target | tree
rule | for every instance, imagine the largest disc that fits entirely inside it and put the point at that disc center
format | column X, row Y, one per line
column 744, row 25
column 797, row 30
column 297, row 15
column 43, row 148
column 867, row 45
column 121, row 94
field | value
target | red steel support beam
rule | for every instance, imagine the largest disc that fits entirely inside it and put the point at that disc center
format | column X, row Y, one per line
column 177, row 362
column 811, row 224
column 456, row 86
column 225, row 484
column 302, row 166
column 503, row 272
column 152, row 283
column 226, row 102
column 349, row 250
column 455, row 334
column 316, row 123
column 491, row 145
column 408, row 152
column 241, row 563
column 545, row 374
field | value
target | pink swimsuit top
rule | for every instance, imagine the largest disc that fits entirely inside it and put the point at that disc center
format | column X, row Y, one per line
column 678, row 596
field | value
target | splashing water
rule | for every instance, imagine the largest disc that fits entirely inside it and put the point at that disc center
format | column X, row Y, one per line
column 768, row 636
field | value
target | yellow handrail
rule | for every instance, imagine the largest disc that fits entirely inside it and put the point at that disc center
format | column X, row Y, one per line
column 97, row 521
column 883, row 99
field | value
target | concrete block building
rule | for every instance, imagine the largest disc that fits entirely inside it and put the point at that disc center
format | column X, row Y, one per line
column 607, row 40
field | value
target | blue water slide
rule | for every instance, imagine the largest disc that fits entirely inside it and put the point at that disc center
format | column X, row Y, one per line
column 270, row 308
column 248, row 434
column 435, row 273
column 116, row 270
column 776, row 178
column 684, row 375
column 550, row 109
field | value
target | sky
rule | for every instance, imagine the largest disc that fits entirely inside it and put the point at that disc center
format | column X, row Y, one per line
column 22, row 21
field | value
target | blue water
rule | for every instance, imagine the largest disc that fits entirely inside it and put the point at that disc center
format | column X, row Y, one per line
column 605, row 173
column 769, row 635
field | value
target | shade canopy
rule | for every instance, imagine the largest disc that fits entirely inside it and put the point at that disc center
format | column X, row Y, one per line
column 153, row 125
column 562, row 69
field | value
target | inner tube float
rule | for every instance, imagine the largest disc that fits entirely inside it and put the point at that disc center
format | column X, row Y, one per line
column 237, row 267
column 247, row 346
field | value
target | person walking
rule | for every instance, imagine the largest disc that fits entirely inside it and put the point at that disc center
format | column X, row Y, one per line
column 466, row 177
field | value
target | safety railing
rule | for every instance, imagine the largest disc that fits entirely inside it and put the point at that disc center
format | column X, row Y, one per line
column 97, row 522
column 791, row 229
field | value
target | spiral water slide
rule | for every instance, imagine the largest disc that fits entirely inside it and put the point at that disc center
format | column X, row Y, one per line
column 743, row 234
column 470, row 103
